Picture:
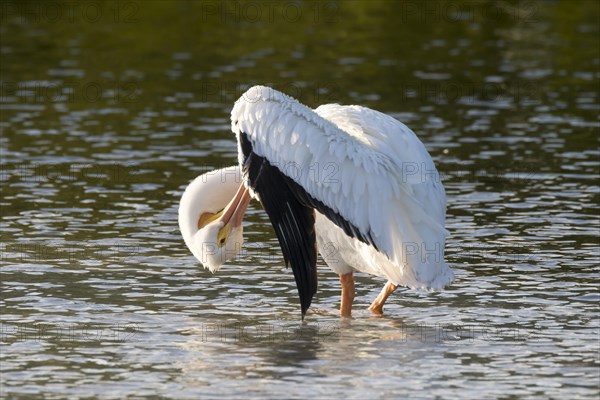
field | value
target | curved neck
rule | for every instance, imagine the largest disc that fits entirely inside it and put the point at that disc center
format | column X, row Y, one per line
column 209, row 192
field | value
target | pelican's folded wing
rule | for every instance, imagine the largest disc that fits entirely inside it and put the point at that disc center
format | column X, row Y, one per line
column 365, row 171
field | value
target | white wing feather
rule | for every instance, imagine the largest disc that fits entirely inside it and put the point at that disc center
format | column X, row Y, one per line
column 384, row 181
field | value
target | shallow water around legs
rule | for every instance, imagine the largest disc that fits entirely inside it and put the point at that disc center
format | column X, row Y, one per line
column 106, row 117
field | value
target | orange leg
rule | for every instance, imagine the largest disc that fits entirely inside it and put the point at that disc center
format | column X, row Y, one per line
column 347, row 281
column 377, row 305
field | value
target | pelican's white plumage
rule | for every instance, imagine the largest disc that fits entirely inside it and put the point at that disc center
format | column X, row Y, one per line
column 385, row 182
column 209, row 193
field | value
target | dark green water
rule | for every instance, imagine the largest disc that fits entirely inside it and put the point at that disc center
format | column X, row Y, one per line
column 108, row 110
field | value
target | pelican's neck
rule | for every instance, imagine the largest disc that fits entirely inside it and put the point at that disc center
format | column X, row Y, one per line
column 209, row 192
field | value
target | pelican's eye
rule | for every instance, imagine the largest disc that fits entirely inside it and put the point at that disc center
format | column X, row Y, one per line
column 222, row 235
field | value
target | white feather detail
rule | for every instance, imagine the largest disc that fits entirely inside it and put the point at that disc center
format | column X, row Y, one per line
column 384, row 180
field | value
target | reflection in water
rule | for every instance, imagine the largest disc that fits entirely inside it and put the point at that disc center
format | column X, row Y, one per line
column 105, row 121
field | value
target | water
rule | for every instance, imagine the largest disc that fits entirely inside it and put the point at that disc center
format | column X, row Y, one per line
column 106, row 117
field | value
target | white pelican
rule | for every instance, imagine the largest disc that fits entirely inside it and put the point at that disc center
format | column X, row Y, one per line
column 350, row 182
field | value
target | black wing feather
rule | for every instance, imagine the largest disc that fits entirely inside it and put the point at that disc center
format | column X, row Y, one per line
column 291, row 211
column 293, row 222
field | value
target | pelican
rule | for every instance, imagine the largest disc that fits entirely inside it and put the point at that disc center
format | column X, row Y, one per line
column 349, row 182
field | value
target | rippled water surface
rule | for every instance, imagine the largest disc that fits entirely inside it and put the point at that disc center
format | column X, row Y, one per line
column 106, row 117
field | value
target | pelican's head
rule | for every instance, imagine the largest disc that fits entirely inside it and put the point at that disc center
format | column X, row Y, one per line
column 210, row 216
column 218, row 243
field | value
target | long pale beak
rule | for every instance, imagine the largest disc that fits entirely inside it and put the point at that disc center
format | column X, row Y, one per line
column 233, row 214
